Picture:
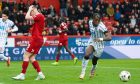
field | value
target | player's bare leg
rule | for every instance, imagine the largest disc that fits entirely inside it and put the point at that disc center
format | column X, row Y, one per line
column 85, row 60
column 94, row 63
column 57, row 56
column 7, row 59
column 72, row 55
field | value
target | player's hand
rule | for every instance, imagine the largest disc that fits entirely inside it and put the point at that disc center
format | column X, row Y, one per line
column 44, row 41
column 31, row 8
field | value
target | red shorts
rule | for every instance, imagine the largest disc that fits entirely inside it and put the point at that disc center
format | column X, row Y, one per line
column 34, row 46
column 63, row 41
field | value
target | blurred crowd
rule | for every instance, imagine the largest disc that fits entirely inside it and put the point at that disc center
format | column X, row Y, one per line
column 119, row 17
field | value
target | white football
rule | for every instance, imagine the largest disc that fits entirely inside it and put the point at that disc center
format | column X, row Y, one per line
column 125, row 76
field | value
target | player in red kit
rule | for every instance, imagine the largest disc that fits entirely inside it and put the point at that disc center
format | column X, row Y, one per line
column 35, row 43
column 63, row 42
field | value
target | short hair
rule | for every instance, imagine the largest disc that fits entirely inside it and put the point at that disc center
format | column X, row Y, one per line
column 6, row 12
column 35, row 6
column 96, row 16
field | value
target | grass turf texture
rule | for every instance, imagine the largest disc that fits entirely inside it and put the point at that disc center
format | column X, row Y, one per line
column 107, row 72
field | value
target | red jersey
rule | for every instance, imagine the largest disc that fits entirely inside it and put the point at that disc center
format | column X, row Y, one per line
column 63, row 26
column 36, row 41
column 38, row 26
column 63, row 38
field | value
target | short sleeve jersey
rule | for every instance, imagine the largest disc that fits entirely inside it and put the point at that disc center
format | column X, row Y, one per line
column 38, row 26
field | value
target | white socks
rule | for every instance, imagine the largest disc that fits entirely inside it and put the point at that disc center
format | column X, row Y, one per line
column 22, row 74
column 3, row 57
column 84, row 65
column 40, row 73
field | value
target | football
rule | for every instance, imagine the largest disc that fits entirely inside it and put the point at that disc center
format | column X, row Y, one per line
column 125, row 76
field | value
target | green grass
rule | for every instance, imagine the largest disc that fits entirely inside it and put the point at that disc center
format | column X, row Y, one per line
column 66, row 73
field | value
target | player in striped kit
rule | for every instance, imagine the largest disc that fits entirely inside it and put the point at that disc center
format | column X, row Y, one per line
column 6, row 26
column 99, row 34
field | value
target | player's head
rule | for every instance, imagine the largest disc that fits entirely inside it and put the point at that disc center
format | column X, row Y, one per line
column 34, row 10
column 96, row 19
column 63, row 25
column 34, row 7
column 5, row 15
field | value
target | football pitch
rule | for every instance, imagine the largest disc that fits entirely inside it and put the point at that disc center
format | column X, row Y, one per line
column 107, row 72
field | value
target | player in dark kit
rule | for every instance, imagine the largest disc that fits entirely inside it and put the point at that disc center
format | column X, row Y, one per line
column 63, row 42
column 35, row 43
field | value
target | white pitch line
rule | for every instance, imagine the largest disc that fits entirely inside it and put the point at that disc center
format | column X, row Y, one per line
column 102, row 67
column 90, row 66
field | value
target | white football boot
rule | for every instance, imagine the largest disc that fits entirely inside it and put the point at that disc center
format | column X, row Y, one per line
column 82, row 75
column 40, row 77
column 19, row 77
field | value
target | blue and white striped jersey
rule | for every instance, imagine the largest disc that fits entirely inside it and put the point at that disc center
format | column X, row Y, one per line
column 97, row 32
column 5, row 25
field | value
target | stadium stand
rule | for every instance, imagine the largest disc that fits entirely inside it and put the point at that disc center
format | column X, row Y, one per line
column 119, row 16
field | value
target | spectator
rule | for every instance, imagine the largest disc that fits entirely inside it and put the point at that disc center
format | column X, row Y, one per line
column 63, row 8
column 50, row 21
column 56, row 20
column 44, row 11
column 74, row 3
column 133, row 21
column 20, row 17
column 95, row 3
column 80, row 14
column 5, row 4
column 25, row 27
column 69, row 10
column 110, row 10
column 51, row 10
column 73, row 30
column 21, row 5
column 73, row 16
column 127, row 8
column 136, row 31
column 123, row 13
column 0, row 6
column 117, row 15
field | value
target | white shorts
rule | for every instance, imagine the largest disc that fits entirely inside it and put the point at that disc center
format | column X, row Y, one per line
column 98, row 46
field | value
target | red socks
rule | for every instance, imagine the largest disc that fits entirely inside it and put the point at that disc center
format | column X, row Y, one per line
column 24, row 66
column 36, row 66
column 73, row 56
column 57, row 57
